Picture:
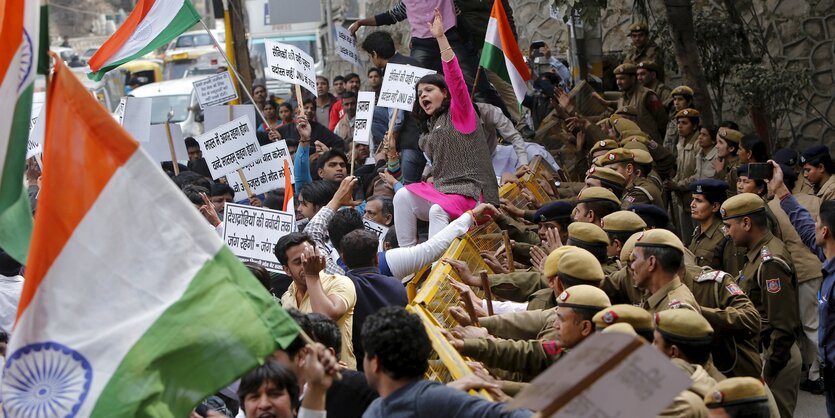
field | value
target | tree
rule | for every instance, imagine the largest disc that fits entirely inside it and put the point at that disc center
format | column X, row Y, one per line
column 683, row 34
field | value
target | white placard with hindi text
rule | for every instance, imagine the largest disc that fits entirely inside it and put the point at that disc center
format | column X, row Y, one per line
column 37, row 125
column 157, row 144
column 229, row 147
column 265, row 174
column 398, row 91
column 379, row 230
column 251, row 233
column 214, row 116
column 291, row 64
column 365, row 113
column 215, row 90
column 135, row 116
column 346, row 46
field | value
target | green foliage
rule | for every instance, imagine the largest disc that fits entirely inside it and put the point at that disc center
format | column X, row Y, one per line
column 773, row 89
column 589, row 10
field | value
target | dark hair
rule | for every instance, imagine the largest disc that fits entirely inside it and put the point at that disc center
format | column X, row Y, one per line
column 380, row 42
column 748, row 410
column 281, row 376
column 325, row 331
column 587, row 314
column 694, row 352
column 418, row 113
column 186, row 178
column 220, row 189
column 617, row 189
column 272, row 103
column 669, row 259
column 602, row 207
column 759, row 220
column 319, row 192
column 304, row 324
column 287, row 105
column 275, row 201
column 757, row 148
column 386, row 204
column 260, row 273
column 399, row 342
column 375, row 70
column 348, row 95
column 9, row 266
column 351, row 76
column 359, row 249
column 827, row 214
column 824, row 159
column 711, row 130
column 645, row 169
column 551, row 77
column 191, row 142
column 343, row 221
column 290, row 240
column 599, row 251
column 338, row 78
column 729, row 124
column 256, row 86
column 618, row 235
column 329, row 155
column 309, row 101
column 321, row 77
column 192, row 192
column 391, row 238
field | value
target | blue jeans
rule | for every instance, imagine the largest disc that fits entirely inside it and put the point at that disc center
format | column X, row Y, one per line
column 412, row 163
column 426, row 51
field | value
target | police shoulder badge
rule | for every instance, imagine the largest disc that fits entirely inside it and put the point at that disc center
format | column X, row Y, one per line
column 552, row 348
column 734, row 289
column 773, row 285
column 766, row 254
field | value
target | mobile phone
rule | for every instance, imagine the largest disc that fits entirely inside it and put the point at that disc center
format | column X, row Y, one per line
column 760, row 171
column 537, row 44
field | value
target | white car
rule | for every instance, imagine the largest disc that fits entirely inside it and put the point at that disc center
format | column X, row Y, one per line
column 179, row 96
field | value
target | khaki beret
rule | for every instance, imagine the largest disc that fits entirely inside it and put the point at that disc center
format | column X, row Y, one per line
column 622, row 328
column 641, row 156
column 682, row 91
column 649, row 65
column 688, row 113
column 636, row 144
column 587, row 233
column 593, row 194
column 630, row 69
column 603, row 145
column 638, row 27
column 730, row 135
column 622, row 221
column 581, row 265
column 617, row 155
column 552, row 262
column 741, row 205
column 606, row 175
column 659, row 238
column 630, row 112
column 640, row 319
column 597, row 161
column 736, row 391
column 628, row 246
column 622, row 125
column 583, row 296
column 683, row 325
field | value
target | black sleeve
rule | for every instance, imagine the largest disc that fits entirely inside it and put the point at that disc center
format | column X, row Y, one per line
column 396, row 14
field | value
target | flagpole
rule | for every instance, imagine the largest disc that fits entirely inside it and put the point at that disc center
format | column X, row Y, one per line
column 475, row 82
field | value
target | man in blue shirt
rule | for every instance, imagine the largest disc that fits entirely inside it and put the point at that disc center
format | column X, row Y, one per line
column 819, row 235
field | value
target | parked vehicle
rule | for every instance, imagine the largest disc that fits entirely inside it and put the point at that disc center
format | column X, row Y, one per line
column 177, row 95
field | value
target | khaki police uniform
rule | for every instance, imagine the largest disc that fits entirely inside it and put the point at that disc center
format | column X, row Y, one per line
column 689, row 403
column 710, row 246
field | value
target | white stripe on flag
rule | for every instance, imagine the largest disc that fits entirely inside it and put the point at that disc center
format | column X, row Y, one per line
column 133, row 255
column 160, row 16
column 492, row 36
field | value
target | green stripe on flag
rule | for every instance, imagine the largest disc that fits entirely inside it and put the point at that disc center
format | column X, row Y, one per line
column 225, row 319
column 185, row 19
column 493, row 59
column 15, row 213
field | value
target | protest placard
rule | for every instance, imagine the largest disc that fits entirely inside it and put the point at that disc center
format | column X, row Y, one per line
column 134, row 114
column 398, row 91
column 265, row 174
column 229, row 147
column 216, row 89
column 214, row 116
column 157, row 144
column 37, row 125
column 251, row 233
column 379, row 230
column 346, row 46
column 365, row 113
column 290, row 64
column 607, row 375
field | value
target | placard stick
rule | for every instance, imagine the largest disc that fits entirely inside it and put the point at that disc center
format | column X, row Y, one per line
column 246, row 183
column 470, row 308
column 488, row 294
column 392, row 122
column 353, row 156
column 299, row 98
column 171, row 148
column 508, row 250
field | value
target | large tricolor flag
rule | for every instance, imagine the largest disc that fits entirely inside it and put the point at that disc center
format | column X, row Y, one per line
column 18, row 64
column 152, row 24
column 501, row 54
column 132, row 305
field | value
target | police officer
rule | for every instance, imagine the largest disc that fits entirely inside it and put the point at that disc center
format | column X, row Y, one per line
column 768, row 278
column 710, row 246
column 646, row 185
column 600, row 147
column 726, row 162
column 655, row 264
column 606, row 178
column 644, row 48
column 652, row 118
column 561, row 280
column 593, row 203
column 680, row 98
column 818, row 168
column 593, row 239
column 648, row 72
column 640, row 320
column 738, row 397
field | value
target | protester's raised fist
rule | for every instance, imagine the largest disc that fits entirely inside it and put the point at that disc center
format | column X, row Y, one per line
column 436, row 27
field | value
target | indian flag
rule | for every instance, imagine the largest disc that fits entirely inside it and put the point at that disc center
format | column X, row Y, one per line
column 18, row 64
column 132, row 305
column 152, row 24
column 501, row 54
